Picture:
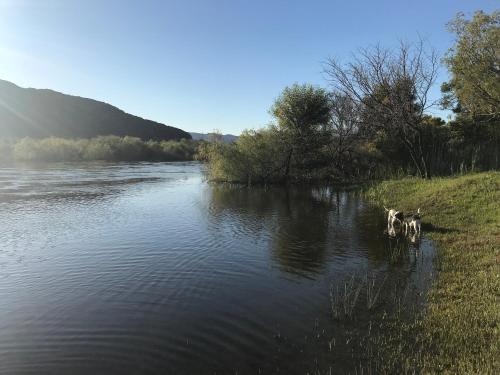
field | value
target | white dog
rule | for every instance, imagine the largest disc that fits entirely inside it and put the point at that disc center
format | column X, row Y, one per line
column 393, row 217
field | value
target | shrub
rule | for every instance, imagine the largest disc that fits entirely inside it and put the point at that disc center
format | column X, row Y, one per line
column 109, row 148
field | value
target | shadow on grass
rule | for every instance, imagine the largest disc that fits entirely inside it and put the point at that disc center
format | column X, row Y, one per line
column 433, row 228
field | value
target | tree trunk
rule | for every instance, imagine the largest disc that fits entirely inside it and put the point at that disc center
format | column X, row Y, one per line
column 288, row 161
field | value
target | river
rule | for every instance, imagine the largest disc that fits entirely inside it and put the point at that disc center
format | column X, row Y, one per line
column 144, row 268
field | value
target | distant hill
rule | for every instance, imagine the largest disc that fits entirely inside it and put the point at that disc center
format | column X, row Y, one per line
column 27, row 112
column 205, row 137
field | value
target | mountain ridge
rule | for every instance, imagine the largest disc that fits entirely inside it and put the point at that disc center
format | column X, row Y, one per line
column 39, row 113
column 206, row 136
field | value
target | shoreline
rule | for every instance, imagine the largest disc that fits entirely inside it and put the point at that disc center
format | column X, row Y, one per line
column 459, row 329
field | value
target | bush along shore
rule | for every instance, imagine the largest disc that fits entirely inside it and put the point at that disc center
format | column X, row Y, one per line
column 459, row 329
column 107, row 148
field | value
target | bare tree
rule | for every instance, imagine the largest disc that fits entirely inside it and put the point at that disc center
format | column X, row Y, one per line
column 391, row 86
column 343, row 127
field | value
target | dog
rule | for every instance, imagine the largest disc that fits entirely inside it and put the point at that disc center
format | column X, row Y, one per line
column 394, row 216
column 412, row 222
column 391, row 231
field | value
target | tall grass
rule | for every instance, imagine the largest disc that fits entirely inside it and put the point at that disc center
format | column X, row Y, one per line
column 108, row 148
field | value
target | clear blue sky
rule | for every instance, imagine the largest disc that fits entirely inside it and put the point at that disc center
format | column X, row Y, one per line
column 202, row 65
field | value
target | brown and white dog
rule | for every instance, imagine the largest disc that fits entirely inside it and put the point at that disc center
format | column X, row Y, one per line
column 412, row 222
column 394, row 216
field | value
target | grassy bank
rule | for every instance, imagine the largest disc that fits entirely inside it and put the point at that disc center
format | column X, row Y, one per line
column 459, row 331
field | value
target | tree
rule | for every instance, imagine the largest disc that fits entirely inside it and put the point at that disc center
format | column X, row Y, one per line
column 343, row 128
column 474, row 89
column 392, row 89
column 302, row 113
column 474, row 64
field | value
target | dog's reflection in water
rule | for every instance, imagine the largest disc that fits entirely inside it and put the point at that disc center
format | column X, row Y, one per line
column 392, row 232
column 414, row 238
column 401, row 245
column 397, row 232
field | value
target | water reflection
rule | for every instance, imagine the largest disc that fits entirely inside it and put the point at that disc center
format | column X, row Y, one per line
column 294, row 221
column 306, row 228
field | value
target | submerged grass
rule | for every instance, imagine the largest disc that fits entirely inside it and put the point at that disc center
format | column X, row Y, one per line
column 459, row 331
column 343, row 300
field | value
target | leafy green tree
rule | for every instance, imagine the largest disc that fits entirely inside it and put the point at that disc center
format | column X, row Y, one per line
column 302, row 113
column 474, row 64
column 473, row 92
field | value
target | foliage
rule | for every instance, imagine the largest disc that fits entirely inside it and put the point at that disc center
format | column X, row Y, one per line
column 302, row 113
column 290, row 150
column 111, row 148
column 474, row 89
column 344, row 149
column 256, row 157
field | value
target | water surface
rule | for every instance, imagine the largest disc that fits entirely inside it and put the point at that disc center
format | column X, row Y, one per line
column 146, row 269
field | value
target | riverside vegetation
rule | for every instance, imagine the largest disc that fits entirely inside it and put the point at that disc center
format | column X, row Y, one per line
column 373, row 121
column 108, row 148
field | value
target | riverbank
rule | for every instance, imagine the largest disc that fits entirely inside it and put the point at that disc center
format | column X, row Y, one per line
column 102, row 148
column 459, row 331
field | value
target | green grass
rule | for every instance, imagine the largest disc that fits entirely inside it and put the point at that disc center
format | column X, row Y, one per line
column 459, row 331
